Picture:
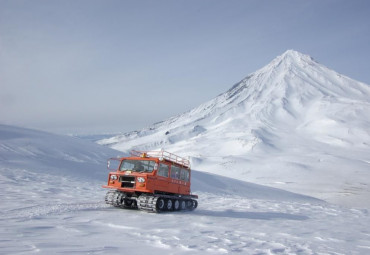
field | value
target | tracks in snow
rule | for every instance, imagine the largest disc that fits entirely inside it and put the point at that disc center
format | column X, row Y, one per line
column 30, row 212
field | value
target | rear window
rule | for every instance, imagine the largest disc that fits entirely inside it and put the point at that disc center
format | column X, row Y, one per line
column 184, row 174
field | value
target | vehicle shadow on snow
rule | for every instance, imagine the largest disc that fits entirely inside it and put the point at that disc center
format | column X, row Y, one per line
column 250, row 215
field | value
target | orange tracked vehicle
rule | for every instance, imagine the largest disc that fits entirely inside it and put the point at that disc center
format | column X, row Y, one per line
column 152, row 181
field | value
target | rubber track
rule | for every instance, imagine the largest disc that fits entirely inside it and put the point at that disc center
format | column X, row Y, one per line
column 145, row 202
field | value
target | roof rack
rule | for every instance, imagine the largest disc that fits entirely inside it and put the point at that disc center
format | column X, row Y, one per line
column 162, row 155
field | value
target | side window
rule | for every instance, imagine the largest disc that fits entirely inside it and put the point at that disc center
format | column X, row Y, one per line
column 175, row 172
column 163, row 170
column 184, row 174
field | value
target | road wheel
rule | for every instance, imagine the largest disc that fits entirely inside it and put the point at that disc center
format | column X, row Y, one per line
column 194, row 204
column 176, row 205
column 182, row 205
column 160, row 204
column 189, row 204
column 169, row 205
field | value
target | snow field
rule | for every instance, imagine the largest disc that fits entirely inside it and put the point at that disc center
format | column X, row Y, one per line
column 66, row 215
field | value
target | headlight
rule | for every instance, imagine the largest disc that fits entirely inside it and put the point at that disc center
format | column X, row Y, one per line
column 113, row 177
column 140, row 179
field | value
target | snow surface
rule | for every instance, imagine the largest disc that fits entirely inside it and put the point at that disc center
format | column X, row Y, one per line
column 294, row 124
column 52, row 203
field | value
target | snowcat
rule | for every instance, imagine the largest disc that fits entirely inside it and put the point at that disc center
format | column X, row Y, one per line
column 152, row 181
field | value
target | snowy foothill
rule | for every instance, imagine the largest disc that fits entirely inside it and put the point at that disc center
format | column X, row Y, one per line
column 52, row 203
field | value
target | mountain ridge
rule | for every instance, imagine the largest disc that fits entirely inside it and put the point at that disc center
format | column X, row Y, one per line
column 239, row 94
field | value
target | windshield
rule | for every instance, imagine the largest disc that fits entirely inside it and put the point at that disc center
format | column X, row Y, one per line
column 137, row 165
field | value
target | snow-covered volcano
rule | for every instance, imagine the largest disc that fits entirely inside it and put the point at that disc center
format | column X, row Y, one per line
column 279, row 126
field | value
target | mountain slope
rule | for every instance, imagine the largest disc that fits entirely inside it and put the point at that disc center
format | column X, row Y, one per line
column 42, row 152
column 279, row 126
column 32, row 153
column 50, row 206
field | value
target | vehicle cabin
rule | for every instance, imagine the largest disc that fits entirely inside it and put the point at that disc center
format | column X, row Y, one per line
column 157, row 172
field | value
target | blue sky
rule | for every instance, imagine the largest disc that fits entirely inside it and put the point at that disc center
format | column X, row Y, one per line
column 80, row 66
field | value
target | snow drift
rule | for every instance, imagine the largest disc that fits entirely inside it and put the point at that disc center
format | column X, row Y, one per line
column 43, row 152
column 32, row 153
column 283, row 126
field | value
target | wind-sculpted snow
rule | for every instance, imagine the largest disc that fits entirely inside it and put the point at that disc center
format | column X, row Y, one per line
column 224, row 186
column 45, row 152
column 48, row 208
column 282, row 126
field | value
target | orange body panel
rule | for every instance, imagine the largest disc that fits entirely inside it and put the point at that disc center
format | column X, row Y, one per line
column 161, row 175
